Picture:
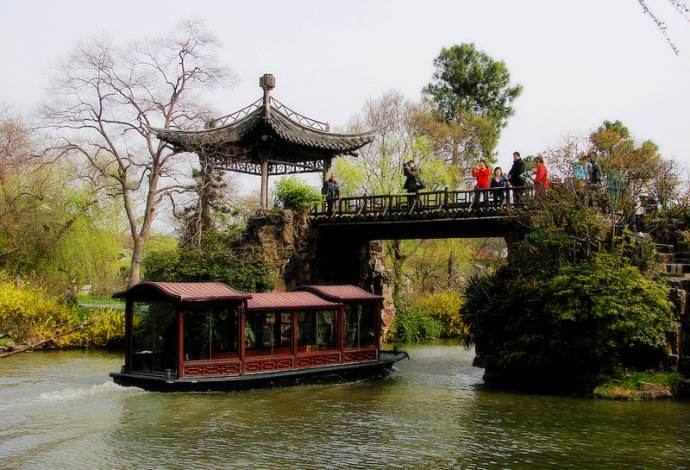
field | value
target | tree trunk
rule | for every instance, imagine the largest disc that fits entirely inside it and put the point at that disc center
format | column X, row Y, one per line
column 398, row 260
column 137, row 256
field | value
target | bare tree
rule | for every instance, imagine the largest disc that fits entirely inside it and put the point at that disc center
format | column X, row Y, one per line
column 681, row 9
column 104, row 102
column 665, row 185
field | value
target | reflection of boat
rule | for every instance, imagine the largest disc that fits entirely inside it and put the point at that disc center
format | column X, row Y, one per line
column 207, row 336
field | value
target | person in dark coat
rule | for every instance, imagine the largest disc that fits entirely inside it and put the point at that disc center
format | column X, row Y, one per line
column 594, row 170
column 517, row 175
column 499, row 183
column 331, row 190
column 413, row 181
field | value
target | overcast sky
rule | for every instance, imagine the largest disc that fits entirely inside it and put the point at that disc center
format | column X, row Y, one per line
column 579, row 61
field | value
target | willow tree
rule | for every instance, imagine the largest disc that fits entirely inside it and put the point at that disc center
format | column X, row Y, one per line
column 103, row 103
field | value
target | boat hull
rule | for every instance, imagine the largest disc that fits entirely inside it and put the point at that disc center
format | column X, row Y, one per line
column 265, row 379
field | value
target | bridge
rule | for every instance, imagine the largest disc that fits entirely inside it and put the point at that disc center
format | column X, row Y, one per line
column 429, row 214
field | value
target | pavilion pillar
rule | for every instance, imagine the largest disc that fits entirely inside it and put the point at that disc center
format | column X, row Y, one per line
column 264, row 185
column 326, row 168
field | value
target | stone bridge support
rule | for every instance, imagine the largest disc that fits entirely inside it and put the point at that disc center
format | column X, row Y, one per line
column 301, row 254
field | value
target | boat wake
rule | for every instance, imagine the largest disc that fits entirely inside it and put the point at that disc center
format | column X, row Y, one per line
column 106, row 388
column 68, row 394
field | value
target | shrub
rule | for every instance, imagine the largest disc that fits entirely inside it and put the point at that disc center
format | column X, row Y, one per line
column 291, row 193
column 215, row 260
column 106, row 329
column 32, row 316
column 30, row 313
column 412, row 325
column 563, row 330
column 444, row 306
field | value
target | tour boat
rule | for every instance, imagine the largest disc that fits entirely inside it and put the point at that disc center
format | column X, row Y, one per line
column 208, row 336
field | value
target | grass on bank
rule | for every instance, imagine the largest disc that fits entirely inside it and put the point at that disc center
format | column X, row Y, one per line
column 634, row 385
column 99, row 300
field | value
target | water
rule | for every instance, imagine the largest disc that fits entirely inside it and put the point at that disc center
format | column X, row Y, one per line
column 59, row 410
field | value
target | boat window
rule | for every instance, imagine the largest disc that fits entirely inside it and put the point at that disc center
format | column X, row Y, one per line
column 360, row 325
column 211, row 333
column 154, row 337
column 268, row 334
column 317, row 331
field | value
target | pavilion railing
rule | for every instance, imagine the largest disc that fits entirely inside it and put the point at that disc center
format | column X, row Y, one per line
column 477, row 202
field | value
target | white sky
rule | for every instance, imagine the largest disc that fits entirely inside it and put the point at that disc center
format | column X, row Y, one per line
column 580, row 61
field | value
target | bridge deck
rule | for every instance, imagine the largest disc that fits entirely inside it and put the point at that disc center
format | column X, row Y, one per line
column 432, row 214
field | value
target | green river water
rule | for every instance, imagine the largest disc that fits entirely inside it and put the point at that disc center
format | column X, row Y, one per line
column 60, row 410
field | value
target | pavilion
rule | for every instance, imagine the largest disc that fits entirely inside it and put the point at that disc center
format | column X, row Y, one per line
column 266, row 138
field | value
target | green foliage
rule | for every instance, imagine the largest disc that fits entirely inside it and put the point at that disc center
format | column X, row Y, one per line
column 631, row 385
column 217, row 259
column 412, row 325
column 671, row 226
column 589, row 318
column 468, row 80
column 53, row 226
column 444, row 306
column 291, row 193
column 435, row 315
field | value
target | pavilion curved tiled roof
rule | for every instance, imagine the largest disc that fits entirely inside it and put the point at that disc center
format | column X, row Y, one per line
column 284, row 127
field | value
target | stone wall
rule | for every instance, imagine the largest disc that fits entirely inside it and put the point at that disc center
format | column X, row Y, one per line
column 287, row 241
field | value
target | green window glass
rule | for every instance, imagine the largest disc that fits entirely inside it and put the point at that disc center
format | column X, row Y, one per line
column 360, row 326
column 154, row 337
column 211, row 333
column 317, row 331
column 267, row 334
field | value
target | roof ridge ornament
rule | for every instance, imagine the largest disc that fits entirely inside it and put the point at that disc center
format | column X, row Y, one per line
column 268, row 82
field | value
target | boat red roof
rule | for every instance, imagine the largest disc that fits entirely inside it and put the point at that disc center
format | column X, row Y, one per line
column 184, row 291
column 288, row 301
column 340, row 293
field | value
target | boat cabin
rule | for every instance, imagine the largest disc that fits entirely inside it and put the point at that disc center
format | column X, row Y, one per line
column 193, row 331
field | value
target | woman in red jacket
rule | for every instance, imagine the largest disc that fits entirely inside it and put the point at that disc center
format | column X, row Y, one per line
column 481, row 173
column 541, row 179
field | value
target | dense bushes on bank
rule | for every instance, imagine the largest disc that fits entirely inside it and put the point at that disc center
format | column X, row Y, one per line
column 574, row 303
column 30, row 315
column 217, row 259
column 434, row 315
column 566, row 328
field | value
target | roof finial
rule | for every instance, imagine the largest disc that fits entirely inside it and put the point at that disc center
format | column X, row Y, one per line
column 267, row 82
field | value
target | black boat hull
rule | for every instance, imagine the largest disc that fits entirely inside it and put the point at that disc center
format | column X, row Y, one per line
column 265, row 379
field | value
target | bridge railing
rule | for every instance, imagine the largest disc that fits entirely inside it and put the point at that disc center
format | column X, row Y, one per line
column 475, row 201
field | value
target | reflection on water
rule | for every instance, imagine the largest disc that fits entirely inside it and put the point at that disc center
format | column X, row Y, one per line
column 59, row 410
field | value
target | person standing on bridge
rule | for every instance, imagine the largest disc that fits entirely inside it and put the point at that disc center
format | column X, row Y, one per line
column 413, row 182
column 499, row 183
column 331, row 190
column 481, row 173
column 517, row 176
column 541, row 179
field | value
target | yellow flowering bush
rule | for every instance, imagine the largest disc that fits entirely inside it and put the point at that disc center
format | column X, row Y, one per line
column 445, row 307
column 32, row 315
column 106, row 328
